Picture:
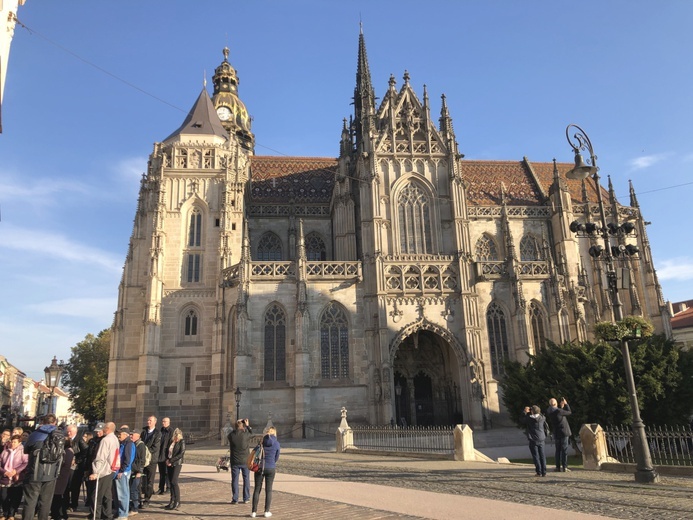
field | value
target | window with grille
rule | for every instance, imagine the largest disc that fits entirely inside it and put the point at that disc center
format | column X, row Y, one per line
column 530, row 249
column 194, row 267
column 269, row 248
column 414, row 220
column 190, row 325
column 497, row 338
column 195, row 229
column 315, row 247
column 486, row 250
column 536, row 316
column 275, row 344
column 334, row 343
column 187, row 379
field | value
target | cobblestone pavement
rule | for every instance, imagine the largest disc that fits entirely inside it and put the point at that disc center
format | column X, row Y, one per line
column 600, row 493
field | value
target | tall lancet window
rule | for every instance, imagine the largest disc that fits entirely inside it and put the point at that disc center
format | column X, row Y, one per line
column 195, row 229
column 414, row 219
column 497, row 338
column 486, row 250
column 530, row 249
column 536, row 315
column 334, row 343
column 275, row 343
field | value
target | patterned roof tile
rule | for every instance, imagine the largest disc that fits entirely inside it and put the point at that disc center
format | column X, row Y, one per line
column 292, row 179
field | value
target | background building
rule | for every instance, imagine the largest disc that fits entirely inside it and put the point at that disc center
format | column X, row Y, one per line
column 393, row 280
column 8, row 20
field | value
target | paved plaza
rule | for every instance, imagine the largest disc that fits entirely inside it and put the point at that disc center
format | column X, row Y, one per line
column 319, row 484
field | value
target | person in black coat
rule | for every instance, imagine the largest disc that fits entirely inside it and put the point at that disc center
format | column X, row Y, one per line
column 239, row 444
column 175, row 455
column 161, row 456
column 556, row 414
column 79, row 448
column 535, row 424
column 151, row 437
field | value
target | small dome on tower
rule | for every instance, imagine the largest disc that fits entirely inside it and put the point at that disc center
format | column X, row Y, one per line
column 231, row 110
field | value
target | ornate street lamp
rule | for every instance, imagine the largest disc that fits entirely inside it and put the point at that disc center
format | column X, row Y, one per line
column 53, row 373
column 644, row 470
column 237, row 394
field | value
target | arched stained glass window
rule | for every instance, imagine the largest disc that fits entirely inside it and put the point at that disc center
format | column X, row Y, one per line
column 275, row 344
column 195, row 229
column 497, row 337
column 530, row 249
column 486, row 250
column 315, row 247
column 269, row 248
column 334, row 343
column 190, row 325
column 414, row 220
column 536, row 315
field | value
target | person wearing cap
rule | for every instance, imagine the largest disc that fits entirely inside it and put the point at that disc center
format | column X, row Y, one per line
column 102, row 472
column 121, row 478
column 92, row 447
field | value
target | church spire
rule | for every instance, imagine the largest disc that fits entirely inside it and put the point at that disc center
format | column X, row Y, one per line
column 633, row 197
column 364, row 95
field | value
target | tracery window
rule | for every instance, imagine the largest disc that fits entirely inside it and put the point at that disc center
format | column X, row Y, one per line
column 194, row 267
column 334, row 343
column 486, row 250
column 195, row 229
column 414, row 219
column 536, row 316
column 275, row 343
column 530, row 249
column 497, row 337
column 269, row 248
column 190, row 325
column 315, row 247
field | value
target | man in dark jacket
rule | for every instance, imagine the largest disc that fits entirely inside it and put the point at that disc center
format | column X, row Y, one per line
column 165, row 432
column 557, row 413
column 39, row 481
column 138, row 465
column 535, row 424
column 152, row 439
column 79, row 447
column 239, row 443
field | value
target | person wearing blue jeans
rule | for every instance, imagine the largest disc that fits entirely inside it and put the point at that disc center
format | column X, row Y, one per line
column 239, row 442
column 557, row 414
column 121, row 478
column 535, row 424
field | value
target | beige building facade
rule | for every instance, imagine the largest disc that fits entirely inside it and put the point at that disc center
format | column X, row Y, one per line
column 393, row 280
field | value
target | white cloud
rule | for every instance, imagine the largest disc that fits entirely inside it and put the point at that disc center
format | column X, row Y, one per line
column 39, row 192
column 646, row 161
column 675, row 269
column 131, row 168
column 95, row 308
column 57, row 246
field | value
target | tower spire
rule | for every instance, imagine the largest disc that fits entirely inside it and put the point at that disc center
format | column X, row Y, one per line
column 364, row 96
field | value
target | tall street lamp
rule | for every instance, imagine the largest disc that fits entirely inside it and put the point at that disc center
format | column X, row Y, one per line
column 644, row 470
column 53, row 373
column 237, row 394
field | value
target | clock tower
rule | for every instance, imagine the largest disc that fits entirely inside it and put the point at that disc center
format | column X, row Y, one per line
column 230, row 109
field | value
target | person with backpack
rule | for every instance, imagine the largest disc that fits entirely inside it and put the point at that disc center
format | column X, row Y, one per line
column 45, row 448
column 239, row 442
column 271, row 448
column 535, row 425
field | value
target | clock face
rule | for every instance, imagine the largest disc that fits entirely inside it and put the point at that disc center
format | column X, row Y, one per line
column 224, row 113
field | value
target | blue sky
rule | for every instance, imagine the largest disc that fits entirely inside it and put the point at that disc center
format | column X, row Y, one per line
column 92, row 85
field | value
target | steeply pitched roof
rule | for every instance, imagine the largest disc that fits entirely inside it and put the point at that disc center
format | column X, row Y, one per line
column 287, row 179
column 201, row 120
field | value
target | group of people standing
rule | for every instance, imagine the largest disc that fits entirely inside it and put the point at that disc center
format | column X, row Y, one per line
column 240, row 439
column 117, row 466
column 537, row 429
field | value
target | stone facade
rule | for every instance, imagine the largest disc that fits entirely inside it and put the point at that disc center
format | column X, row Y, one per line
column 392, row 280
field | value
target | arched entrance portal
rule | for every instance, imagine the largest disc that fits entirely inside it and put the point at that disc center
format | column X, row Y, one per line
column 427, row 386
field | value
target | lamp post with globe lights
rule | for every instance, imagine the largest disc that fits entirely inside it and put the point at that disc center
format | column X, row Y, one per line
column 644, row 472
column 53, row 373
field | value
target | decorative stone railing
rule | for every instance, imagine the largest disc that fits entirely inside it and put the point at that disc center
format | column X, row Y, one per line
column 489, row 270
column 339, row 270
column 432, row 276
column 272, row 270
column 537, row 268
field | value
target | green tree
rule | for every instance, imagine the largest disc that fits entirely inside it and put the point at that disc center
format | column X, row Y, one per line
column 86, row 375
column 591, row 376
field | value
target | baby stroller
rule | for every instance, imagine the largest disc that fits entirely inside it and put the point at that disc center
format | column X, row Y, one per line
column 223, row 463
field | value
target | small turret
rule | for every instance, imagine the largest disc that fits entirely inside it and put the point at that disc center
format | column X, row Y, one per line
column 230, row 109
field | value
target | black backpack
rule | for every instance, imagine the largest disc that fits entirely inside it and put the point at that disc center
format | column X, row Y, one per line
column 53, row 448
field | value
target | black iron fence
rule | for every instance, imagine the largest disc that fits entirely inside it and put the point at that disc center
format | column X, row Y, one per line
column 669, row 445
column 412, row 439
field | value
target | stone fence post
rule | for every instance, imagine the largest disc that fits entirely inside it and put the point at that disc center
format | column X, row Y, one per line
column 464, row 442
column 594, row 450
column 344, row 434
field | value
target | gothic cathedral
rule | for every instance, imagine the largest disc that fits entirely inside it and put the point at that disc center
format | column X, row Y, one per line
column 393, row 280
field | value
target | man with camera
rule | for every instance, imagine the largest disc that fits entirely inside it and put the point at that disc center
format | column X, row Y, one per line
column 557, row 413
column 239, row 444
